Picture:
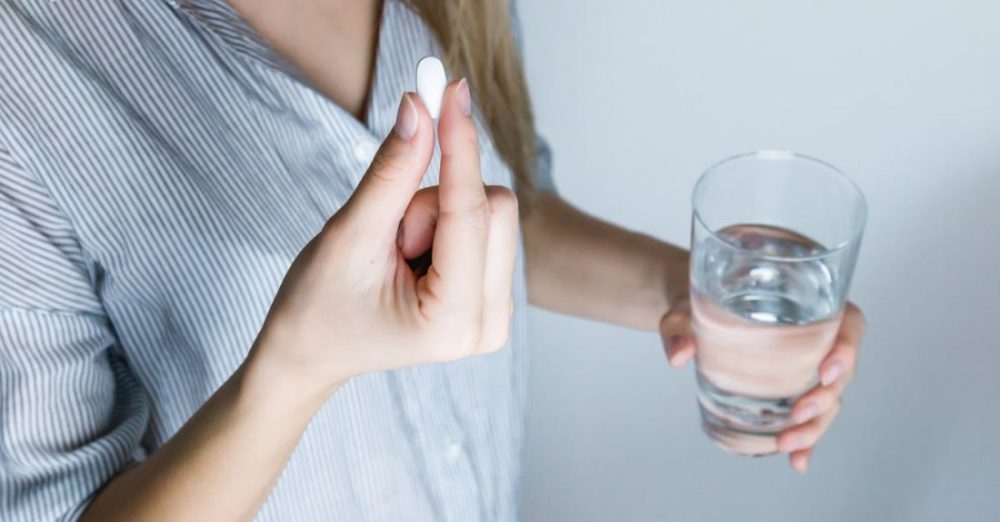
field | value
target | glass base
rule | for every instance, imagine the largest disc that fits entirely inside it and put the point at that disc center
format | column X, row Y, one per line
column 735, row 441
column 740, row 424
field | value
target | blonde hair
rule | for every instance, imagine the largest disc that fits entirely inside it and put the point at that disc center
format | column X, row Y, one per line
column 478, row 43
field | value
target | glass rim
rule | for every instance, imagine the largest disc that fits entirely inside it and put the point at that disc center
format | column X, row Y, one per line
column 853, row 238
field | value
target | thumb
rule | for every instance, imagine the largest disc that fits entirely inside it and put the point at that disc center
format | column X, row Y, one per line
column 675, row 330
column 381, row 198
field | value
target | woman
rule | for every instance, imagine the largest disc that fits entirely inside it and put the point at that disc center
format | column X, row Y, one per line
column 217, row 291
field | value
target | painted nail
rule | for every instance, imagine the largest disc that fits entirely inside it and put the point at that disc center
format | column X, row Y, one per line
column 832, row 373
column 809, row 411
column 406, row 119
column 464, row 97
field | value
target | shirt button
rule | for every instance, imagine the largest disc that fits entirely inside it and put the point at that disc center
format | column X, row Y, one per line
column 452, row 450
column 365, row 151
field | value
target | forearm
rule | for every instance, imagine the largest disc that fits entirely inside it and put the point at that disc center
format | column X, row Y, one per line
column 222, row 464
column 583, row 266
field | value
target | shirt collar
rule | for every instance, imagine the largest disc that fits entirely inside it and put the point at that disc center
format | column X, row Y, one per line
column 235, row 32
column 391, row 61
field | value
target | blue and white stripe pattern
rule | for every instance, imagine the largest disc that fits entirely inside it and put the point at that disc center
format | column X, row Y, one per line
column 160, row 167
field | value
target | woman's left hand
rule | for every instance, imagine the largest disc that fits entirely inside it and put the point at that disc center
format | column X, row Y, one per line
column 815, row 410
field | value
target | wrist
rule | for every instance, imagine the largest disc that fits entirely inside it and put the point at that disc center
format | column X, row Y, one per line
column 669, row 277
column 271, row 371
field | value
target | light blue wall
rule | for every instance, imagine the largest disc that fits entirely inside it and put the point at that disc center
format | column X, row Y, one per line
column 636, row 97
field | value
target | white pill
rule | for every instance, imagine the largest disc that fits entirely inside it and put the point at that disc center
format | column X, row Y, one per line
column 431, row 82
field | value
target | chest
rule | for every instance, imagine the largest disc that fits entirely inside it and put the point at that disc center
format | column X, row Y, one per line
column 194, row 167
column 333, row 42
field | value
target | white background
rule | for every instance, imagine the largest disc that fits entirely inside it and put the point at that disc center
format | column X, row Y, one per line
column 636, row 98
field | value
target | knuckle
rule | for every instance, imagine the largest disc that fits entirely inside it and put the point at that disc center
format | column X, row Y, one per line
column 460, row 340
column 384, row 167
column 474, row 213
column 847, row 352
column 502, row 200
column 444, row 352
column 441, row 354
column 496, row 338
column 479, row 208
column 332, row 229
column 334, row 236
column 460, row 143
column 675, row 322
column 857, row 316
column 469, row 339
column 850, row 358
column 471, row 140
column 826, row 402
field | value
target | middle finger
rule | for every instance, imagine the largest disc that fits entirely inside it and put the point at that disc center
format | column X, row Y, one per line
column 806, row 435
column 816, row 401
column 460, row 238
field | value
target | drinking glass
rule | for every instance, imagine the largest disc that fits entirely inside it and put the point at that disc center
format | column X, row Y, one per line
column 774, row 240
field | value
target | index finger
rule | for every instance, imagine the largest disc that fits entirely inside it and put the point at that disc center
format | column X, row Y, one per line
column 843, row 357
column 463, row 220
column 853, row 326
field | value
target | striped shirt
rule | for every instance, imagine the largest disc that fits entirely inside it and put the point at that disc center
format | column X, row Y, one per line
column 160, row 167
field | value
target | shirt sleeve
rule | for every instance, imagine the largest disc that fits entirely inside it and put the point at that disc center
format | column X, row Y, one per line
column 543, row 154
column 71, row 413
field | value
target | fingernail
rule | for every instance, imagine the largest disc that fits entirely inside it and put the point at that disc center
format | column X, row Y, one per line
column 802, row 466
column 790, row 444
column 464, row 97
column 674, row 340
column 807, row 412
column 832, row 373
column 406, row 119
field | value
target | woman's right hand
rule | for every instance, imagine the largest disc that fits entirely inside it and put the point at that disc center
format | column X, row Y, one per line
column 351, row 304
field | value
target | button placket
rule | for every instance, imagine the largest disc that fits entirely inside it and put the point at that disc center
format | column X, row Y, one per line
column 452, row 449
column 364, row 150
